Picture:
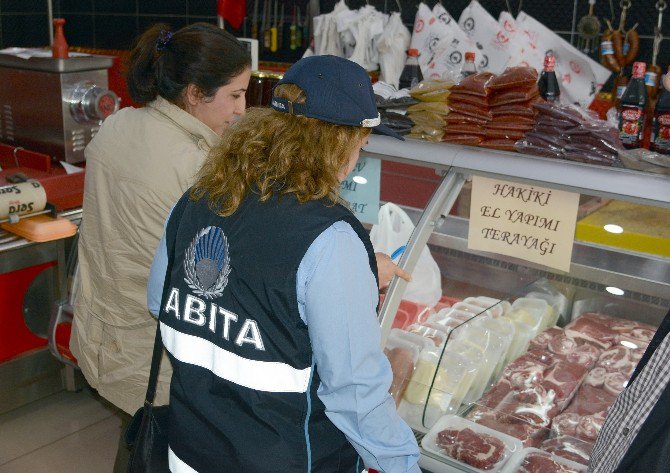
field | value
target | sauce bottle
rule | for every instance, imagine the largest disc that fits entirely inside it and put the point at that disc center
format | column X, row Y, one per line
column 633, row 105
column 411, row 73
column 469, row 67
column 660, row 137
column 548, row 83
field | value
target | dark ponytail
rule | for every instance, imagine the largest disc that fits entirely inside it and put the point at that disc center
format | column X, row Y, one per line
column 164, row 63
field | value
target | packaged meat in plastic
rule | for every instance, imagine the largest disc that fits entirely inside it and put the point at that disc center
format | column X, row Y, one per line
column 523, row 109
column 502, row 133
column 549, row 121
column 594, row 142
column 465, row 129
column 475, row 84
column 469, row 443
column 459, row 139
column 529, row 434
column 536, row 461
column 590, row 400
column 505, row 97
column 471, row 110
column 499, row 144
column 590, row 157
column 560, row 112
column 569, row 447
column 454, row 117
column 402, row 356
column 477, row 100
column 520, row 77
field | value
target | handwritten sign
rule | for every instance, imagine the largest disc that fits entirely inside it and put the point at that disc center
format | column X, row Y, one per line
column 529, row 222
column 361, row 189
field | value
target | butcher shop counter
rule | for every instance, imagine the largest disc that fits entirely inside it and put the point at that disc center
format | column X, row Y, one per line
column 513, row 358
column 33, row 277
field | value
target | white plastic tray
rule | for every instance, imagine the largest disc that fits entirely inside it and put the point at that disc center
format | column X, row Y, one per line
column 515, row 462
column 429, row 443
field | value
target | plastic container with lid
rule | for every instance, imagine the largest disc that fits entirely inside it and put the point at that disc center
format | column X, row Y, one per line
column 551, row 316
column 445, row 386
column 402, row 355
column 493, row 348
column 430, row 442
column 416, row 339
column 496, row 307
column 503, row 328
column 532, row 312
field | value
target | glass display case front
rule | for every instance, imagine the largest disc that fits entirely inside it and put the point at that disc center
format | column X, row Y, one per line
column 516, row 364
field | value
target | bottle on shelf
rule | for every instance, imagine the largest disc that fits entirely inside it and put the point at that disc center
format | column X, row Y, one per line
column 548, row 83
column 411, row 73
column 660, row 137
column 59, row 48
column 469, row 67
column 633, row 107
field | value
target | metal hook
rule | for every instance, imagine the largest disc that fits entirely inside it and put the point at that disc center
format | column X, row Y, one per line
column 399, row 7
column 15, row 153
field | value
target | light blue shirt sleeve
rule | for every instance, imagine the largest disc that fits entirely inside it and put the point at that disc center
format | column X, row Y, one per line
column 337, row 298
column 157, row 274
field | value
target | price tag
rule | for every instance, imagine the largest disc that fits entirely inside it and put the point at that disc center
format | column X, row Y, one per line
column 361, row 189
column 529, row 222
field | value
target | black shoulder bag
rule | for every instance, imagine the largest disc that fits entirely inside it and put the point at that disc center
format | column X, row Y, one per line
column 147, row 433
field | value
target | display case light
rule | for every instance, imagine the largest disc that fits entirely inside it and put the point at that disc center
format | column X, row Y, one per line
column 610, row 227
column 628, row 344
column 614, row 290
column 360, row 180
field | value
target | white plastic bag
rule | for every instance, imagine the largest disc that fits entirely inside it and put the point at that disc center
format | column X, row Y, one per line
column 492, row 42
column 393, row 231
column 391, row 46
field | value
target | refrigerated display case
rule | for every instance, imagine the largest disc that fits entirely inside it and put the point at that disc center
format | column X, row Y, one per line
column 518, row 362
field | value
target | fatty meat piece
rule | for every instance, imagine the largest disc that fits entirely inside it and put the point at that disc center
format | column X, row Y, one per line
column 593, row 328
column 618, row 359
column 533, row 406
column 570, row 448
column 537, row 462
column 496, row 394
column 564, row 378
column 524, row 372
column 596, row 377
column 542, row 339
column 590, row 426
column 402, row 366
column 590, row 400
column 529, row 435
column 615, row 382
column 565, row 424
column 585, row 355
column 517, row 78
column 479, row 450
column 585, row 427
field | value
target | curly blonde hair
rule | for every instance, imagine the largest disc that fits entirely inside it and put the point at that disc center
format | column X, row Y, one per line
column 268, row 151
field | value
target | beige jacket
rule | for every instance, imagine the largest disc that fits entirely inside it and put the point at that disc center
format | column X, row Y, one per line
column 137, row 166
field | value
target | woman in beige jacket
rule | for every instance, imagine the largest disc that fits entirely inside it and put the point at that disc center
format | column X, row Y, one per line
column 192, row 85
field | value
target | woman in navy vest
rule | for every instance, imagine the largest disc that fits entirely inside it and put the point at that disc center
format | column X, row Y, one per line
column 269, row 299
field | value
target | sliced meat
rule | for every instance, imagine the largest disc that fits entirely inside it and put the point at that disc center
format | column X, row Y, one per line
column 476, row 449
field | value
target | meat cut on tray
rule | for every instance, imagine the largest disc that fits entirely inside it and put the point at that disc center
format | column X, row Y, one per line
column 569, row 447
column 477, row 449
column 538, row 462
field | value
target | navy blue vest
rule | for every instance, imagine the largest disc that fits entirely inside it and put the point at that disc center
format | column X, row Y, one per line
column 243, row 393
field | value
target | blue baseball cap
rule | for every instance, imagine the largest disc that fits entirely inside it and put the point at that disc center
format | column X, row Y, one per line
column 337, row 91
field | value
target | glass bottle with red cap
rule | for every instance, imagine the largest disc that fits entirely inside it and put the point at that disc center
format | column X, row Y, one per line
column 633, row 106
column 548, row 83
column 411, row 73
column 469, row 67
column 660, row 137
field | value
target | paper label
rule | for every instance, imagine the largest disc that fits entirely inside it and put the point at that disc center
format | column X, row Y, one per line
column 361, row 189
column 533, row 223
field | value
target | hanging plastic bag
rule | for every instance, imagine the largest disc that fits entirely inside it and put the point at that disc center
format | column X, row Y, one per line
column 392, row 44
column 580, row 76
column 393, row 231
column 491, row 40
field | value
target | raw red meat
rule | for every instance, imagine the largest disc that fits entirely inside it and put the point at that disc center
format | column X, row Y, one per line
column 593, row 328
column 564, row 378
column 565, row 424
column 543, row 463
column 402, row 365
column 543, row 338
column 596, row 377
column 589, row 426
column 479, row 450
column 586, row 355
column 562, row 345
column 584, row 428
column 615, row 382
column 496, row 394
column 547, row 358
column 618, row 359
column 534, row 406
column 590, row 400
column 524, row 372
column 570, row 448
column 530, row 435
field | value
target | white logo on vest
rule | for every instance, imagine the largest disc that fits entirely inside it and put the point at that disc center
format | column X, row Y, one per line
column 207, row 263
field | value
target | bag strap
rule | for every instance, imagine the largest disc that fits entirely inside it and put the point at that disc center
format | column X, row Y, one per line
column 170, row 239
